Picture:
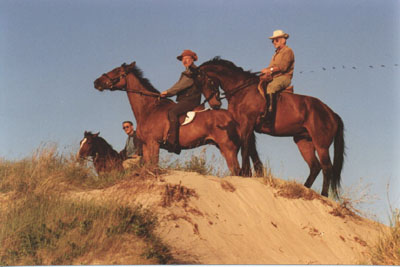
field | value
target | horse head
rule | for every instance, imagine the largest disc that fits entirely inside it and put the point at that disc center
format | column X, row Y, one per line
column 88, row 145
column 210, row 88
column 114, row 79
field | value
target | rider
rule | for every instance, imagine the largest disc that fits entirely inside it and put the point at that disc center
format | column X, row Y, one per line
column 279, row 73
column 188, row 97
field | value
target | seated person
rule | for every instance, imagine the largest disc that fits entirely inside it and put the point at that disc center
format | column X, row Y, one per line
column 132, row 153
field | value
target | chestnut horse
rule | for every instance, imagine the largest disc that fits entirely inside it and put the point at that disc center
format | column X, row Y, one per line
column 311, row 123
column 209, row 127
column 105, row 158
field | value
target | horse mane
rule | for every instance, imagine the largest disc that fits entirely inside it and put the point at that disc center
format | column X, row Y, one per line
column 144, row 81
column 229, row 64
column 107, row 146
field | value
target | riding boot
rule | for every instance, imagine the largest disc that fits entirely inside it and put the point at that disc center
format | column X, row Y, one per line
column 173, row 138
column 267, row 104
column 271, row 102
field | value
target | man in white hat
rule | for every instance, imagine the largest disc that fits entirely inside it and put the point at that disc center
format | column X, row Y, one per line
column 279, row 73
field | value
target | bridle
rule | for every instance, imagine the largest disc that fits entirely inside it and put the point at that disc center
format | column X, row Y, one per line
column 123, row 75
column 91, row 157
column 114, row 81
column 210, row 84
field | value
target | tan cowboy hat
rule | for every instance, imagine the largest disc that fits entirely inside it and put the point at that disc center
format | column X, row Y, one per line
column 279, row 33
column 187, row 52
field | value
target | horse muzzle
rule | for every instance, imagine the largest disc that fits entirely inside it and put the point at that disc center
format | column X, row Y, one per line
column 99, row 85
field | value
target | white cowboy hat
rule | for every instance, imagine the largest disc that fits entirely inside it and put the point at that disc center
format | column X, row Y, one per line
column 279, row 33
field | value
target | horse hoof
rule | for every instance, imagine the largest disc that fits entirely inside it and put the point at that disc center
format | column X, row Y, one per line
column 245, row 173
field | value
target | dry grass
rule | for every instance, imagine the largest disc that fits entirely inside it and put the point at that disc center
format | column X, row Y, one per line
column 288, row 189
column 177, row 193
column 342, row 210
column 39, row 226
column 294, row 190
column 355, row 197
column 197, row 162
column 387, row 249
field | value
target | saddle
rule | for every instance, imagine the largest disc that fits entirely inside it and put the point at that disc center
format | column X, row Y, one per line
column 190, row 115
column 184, row 119
column 268, row 115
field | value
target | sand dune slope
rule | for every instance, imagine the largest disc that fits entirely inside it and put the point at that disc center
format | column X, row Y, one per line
column 236, row 220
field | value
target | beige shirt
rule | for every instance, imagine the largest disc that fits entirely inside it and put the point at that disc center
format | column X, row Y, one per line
column 284, row 60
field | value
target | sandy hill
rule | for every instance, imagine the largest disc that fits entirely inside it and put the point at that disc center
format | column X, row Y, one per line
column 234, row 220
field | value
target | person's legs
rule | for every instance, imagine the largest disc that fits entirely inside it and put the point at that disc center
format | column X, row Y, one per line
column 131, row 162
column 173, row 116
column 275, row 86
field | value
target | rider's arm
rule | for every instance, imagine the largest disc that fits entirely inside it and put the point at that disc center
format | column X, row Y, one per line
column 285, row 61
column 183, row 83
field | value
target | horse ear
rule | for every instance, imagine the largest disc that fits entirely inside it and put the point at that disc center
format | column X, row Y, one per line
column 85, row 133
column 96, row 134
column 131, row 66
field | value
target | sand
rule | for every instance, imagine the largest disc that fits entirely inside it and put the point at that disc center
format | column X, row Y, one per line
column 235, row 220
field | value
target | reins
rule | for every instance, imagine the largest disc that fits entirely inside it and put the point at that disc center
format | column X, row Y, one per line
column 115, row 80
column 237, row 89
column 133, row 91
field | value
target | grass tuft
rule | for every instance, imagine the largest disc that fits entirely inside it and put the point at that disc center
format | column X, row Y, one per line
column 387, row 249
column 196, row 163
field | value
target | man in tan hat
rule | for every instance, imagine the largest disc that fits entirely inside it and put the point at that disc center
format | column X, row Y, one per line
column 188, row 97
column 279, row 73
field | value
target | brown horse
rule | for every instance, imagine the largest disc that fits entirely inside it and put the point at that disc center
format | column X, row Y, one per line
column 105, row 158
column 209, row 127
column 311, row 123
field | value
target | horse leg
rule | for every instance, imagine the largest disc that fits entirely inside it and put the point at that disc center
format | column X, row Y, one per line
column 228, row 142
column 245, row 171
column 307, row 150
column 258, row 166
column 151, row 152
column 327, row 169
column 230, row 154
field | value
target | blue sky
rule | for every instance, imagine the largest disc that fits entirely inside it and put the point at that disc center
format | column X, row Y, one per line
column 52, row 51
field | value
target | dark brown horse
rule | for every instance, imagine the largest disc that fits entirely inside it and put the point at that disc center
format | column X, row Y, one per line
column 209, row 127
column 311, row 123
column 105, row 158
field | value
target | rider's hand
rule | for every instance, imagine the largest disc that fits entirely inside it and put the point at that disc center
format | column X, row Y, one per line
column 163, row 94
column 266, row 71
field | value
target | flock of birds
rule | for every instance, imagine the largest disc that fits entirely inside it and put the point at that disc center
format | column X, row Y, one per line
column 353, row 67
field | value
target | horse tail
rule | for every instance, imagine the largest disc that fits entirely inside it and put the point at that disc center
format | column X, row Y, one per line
column 339, row 153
